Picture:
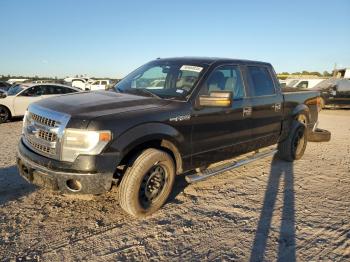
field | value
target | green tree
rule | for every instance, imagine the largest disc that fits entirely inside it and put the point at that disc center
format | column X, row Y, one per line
column 327, row 74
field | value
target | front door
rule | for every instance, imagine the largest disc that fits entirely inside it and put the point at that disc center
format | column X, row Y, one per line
column 218, row 132
column 25, row 98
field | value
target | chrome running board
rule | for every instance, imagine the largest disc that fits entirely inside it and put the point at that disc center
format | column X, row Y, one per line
column 228, row 166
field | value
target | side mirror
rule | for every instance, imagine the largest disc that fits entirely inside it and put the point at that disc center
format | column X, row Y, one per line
column 334, row 87
column 216, row 99
column 3, row 95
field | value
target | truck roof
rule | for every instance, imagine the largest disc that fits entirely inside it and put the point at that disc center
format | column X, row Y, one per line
column 211, row 60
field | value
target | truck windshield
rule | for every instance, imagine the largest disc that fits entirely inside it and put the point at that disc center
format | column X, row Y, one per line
column 14, row 90
column 163, row 79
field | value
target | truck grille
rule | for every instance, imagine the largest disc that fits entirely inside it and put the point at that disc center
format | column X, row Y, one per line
column 41, row 148
column 43, row 120
column 43, row 130
column 48, row 136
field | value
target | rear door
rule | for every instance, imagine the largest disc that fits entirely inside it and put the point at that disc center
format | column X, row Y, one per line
column 267, row 104
column 219, row 132
column 55, row 90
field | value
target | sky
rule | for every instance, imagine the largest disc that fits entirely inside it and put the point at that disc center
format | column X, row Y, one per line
column 109, row 38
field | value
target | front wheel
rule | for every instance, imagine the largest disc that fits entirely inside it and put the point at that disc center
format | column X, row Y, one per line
column 147, row 183
column 4, row 114
column 294, row 146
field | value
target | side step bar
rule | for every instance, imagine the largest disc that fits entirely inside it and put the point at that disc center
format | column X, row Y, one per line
column 228, row 166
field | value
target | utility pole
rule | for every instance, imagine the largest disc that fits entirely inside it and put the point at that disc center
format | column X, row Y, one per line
column 335, row 70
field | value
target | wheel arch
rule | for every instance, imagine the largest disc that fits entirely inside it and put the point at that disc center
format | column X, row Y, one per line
column 301, row 110
column 287, row 124
column 9, row 109
column 142, row 137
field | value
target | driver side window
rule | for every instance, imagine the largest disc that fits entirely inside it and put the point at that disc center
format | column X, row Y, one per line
column 225, row 78
column 33, row 91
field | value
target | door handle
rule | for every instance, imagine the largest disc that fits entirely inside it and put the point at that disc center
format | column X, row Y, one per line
column 247, row 111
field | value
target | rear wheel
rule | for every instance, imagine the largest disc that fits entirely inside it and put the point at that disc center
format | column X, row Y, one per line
column 294, row 146
column 5, row 114
column 147, row 183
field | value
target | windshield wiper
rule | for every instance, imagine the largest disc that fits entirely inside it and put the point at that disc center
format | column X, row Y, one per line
column 141, row 91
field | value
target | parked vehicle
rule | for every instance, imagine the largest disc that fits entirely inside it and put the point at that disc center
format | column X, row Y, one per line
column 140, row 138
column 342, row 73
column 283, row 83
column 335, row 92
column 304, row 82
column 16, row 100
column 78, row 82
column 98, row 85
column 13, row 81
column 4, row 86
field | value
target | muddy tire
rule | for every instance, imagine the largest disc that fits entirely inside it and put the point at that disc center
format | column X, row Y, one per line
column 5, row 114
column 147, row 183
column 294, row 146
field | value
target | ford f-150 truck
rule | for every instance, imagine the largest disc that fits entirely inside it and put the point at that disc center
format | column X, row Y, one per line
column 140, row 136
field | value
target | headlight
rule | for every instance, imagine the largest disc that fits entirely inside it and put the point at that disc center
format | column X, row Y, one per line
column 77, row 142
column 24, row 123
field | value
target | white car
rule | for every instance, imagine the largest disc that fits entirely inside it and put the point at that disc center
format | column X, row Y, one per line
column 98, row 85
column 16, row 100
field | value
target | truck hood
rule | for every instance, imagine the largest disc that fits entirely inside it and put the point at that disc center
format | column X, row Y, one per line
column 90, row 105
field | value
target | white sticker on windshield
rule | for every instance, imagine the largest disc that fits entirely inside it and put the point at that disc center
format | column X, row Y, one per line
column 179, row 91
column 191, row 68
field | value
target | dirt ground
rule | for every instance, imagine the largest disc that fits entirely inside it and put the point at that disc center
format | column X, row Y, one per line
column 267, row 210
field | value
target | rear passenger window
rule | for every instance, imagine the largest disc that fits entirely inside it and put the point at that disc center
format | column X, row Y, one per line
column 260, row 81
column 66, row 90
column 56, row 90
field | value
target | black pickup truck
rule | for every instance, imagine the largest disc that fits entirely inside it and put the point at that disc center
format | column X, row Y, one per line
column 168, row 117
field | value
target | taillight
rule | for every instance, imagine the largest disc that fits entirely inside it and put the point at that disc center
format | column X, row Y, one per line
column 315, row 101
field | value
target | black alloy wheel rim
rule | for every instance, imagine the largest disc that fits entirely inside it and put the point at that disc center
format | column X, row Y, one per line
column 298, row 142
column 3, row 114
column 152, row 185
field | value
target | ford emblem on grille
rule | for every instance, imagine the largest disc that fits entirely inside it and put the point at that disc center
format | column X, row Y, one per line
column 31, row 129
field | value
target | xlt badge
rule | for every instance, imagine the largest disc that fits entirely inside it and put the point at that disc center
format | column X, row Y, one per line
column 180, row 118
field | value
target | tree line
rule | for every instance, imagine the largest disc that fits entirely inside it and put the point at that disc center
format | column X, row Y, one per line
column 313, row 73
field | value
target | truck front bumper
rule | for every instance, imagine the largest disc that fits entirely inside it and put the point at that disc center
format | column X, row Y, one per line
column 36, row 169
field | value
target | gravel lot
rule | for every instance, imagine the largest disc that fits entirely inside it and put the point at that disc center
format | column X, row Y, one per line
column 268, row 210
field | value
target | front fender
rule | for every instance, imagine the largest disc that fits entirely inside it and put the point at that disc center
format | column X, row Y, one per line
column 132, row 138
